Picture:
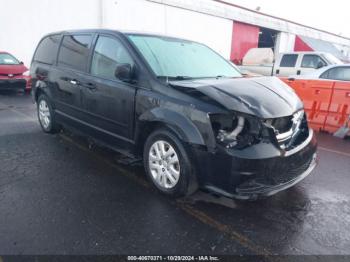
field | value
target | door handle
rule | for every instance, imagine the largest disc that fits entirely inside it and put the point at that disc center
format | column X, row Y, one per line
column 74, row 82
column 298, row 72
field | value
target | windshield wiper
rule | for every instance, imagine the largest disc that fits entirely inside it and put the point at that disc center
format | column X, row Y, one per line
column 180, row 78
column 223, row 76
column 175, row 77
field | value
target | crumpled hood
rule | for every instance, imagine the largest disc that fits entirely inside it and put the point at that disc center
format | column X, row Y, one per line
column 265, row 97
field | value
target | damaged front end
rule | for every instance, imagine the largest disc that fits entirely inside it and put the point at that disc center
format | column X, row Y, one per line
column 262, row 142
column 260, row 157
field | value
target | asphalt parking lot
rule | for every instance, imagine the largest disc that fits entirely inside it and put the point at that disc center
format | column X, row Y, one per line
column 58, row 196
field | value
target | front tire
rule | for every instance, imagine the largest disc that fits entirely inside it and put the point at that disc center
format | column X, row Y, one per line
column 167, row 164
column 46, row 115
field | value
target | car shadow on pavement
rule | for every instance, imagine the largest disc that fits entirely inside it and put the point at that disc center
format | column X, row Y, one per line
column 13, row 93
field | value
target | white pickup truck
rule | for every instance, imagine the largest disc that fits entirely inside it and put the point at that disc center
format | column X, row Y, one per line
column 262, row 61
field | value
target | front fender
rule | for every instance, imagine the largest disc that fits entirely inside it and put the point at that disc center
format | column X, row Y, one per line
column 182, row 125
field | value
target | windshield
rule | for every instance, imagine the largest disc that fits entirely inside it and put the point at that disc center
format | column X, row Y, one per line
column 7, row 59
column 332, row 59
column 182, row 59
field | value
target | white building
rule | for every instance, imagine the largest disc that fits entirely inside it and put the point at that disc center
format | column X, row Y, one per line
column 230, row 30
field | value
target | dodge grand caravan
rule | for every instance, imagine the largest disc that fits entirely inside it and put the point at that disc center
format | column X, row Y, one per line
column 179, row 106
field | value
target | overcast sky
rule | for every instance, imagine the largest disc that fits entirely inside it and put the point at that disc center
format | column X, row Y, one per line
column 333, row 16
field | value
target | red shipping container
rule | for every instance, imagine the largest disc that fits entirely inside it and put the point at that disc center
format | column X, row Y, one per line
column 244, row 37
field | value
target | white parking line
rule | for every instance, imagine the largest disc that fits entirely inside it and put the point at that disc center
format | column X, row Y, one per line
column 334, row 151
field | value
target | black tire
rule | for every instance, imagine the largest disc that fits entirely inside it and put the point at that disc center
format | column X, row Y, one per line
column 52, row 127
column 187, row 183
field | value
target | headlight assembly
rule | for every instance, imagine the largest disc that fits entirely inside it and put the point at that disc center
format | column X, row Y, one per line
column 235, row 131
column 231, row 135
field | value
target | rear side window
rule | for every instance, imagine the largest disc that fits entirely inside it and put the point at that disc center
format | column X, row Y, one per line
column 289, row 60
column 74, row 51
column 312, row 61
column 47, row 49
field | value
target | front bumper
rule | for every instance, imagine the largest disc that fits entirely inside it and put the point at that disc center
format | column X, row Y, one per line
column 255, row 189
column 259, row 171
column 14, row 84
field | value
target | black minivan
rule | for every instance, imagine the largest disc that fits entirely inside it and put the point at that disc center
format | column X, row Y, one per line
column 179, row 106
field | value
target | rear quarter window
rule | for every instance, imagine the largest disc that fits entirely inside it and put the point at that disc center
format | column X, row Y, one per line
column 47, row 49
column 289, row 60
column 74, row 51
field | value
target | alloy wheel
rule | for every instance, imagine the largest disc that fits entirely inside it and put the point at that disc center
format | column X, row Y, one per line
column 164, row 164
column 44, row 114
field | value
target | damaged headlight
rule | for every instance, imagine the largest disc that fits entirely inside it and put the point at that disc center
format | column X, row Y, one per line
column 232, row 135
column 236, row 130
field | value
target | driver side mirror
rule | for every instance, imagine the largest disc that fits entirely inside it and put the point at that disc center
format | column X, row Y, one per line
column 124, row 72
column 319, row 65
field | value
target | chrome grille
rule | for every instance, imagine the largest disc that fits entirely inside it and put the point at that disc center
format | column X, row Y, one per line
column 288, row 128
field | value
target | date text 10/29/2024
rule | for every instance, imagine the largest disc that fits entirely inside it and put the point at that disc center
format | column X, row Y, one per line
column 173, row 258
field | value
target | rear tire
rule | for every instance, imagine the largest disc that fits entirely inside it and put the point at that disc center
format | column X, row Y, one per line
column 168, row 165
column 46, row 115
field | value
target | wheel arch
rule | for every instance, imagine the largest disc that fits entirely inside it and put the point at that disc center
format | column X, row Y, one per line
column 40, row 88
column 178, row 123
column 192, row 182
